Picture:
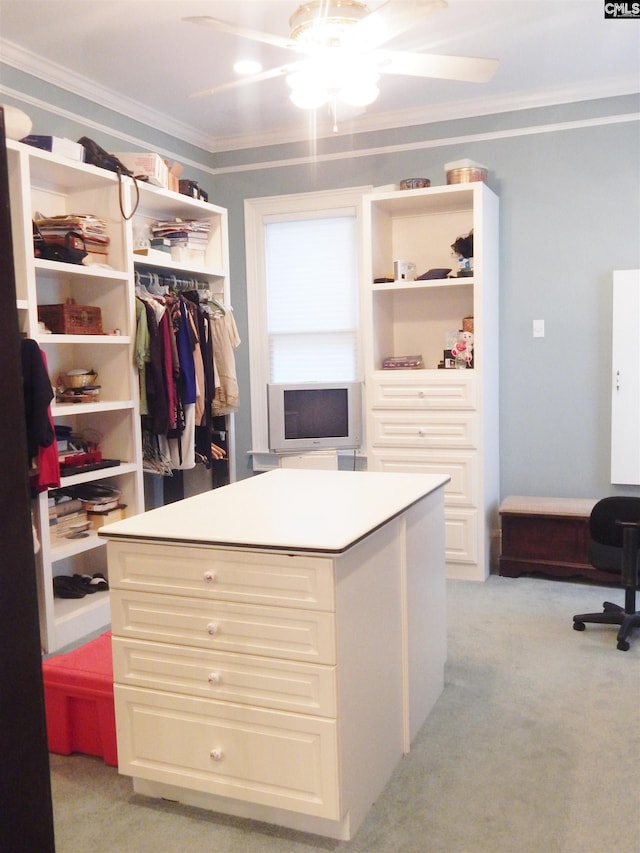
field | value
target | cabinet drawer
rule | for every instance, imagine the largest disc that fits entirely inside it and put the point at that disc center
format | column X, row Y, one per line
column 461, row 535
column 462, row 467
column 287, row 761
column 423, row 429
column 279, row 632
column 254, row 577
column 243, row 679
column 444, row 389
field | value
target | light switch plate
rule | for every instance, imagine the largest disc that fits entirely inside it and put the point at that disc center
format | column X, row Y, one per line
column 538, row 328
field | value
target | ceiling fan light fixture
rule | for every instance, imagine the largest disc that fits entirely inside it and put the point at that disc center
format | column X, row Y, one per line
column 325, row 23
column 309, row 98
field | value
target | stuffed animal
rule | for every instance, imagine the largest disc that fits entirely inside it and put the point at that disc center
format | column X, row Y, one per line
column 464, row 347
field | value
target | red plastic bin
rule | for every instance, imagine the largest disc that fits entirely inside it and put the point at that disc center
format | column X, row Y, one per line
column 78, row 695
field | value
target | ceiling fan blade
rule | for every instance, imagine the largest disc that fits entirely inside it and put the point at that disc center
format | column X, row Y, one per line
column 279, row 71
column 243, row 32
column 464, row 68
column 390, row 20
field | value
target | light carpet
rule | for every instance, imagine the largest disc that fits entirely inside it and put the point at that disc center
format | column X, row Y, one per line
column 534, row 747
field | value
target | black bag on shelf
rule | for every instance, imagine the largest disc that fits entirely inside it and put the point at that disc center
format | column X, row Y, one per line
column 70, row 249
column 95, row 155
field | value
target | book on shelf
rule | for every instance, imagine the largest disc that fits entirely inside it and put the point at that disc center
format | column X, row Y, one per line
column 67, row 518
column 402, row 362
column 59, row 509
column 99, row 518
column 65, row 527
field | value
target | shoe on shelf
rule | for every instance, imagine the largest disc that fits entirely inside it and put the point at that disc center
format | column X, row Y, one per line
column 66, row 587
column 91, row 583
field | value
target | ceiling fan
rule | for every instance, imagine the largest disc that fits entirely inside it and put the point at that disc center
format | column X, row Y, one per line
column 340, row 51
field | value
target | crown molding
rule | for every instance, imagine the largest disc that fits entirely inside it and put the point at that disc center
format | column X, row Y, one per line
column 431, row 114
column 30, row 63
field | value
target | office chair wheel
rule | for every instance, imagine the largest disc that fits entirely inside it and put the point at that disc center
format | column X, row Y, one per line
column 623, row 645
column 579, row 626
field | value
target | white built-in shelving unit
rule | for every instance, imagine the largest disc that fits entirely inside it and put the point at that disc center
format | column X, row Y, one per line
column 52, row 185
column 440, row 421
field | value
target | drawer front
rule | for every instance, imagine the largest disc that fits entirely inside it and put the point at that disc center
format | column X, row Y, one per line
column 445, row 389
column 462, row 488
column 244, row 679
column 280, row 760
column 254, row 577
column 422, row 429
column 279, row 632
column 461, row 535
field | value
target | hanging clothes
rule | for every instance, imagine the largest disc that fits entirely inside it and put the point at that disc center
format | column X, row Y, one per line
column 181, row 439
column 225, row 340
column 42, row 448
column 186, row 367
column 38, row 394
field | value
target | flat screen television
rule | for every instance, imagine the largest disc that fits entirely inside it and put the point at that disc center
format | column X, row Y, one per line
column 314, row 416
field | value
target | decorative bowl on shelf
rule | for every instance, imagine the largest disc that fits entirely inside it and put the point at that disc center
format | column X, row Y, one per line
column 79, row 378
column 414, row 183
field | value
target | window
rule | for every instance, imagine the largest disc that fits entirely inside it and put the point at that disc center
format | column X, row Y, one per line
column 311, row 275
column 302, row 285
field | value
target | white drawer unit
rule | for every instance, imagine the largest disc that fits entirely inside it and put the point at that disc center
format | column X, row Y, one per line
column 460, row 466
column 279, row 631
column 226, row 575
column 436, row 441
column 461, row 535
column 418, row 389
column 275, row 682
column 419, row 429
column 242, row 678
column 272, row 759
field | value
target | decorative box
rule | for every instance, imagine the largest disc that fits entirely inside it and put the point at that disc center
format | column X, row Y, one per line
column 146, row 165
column 71, row 319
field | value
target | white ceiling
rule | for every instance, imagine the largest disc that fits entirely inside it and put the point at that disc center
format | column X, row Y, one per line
column 139, row 57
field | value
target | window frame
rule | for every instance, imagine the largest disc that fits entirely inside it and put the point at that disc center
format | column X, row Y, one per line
column 257, row 213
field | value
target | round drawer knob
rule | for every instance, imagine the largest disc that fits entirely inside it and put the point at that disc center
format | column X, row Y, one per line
column 214, row 678
column 209, row 577
column 212, row 629
column 421, row 394
column 422, row 431
column 216, row 754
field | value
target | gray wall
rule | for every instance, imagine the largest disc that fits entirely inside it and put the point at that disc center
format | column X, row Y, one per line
column 569, row 182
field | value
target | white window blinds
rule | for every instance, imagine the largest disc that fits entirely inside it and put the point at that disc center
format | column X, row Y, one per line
column 311, row 270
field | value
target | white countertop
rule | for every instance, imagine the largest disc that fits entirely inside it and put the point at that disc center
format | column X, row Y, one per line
column 284, row 509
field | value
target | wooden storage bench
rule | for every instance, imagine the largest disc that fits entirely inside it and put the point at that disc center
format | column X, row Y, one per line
column 548, row 536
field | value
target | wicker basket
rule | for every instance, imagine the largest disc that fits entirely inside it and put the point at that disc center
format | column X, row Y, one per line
column 71, row 319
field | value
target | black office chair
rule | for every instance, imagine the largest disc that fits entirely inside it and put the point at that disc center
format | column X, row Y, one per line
column 614, row 526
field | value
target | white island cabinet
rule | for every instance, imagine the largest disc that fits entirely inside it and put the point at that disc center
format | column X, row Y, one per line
column 279, row 642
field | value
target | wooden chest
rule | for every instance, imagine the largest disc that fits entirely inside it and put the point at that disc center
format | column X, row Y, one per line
column 549, row 536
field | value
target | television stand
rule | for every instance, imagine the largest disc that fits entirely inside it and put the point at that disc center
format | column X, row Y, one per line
column 318, row 460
